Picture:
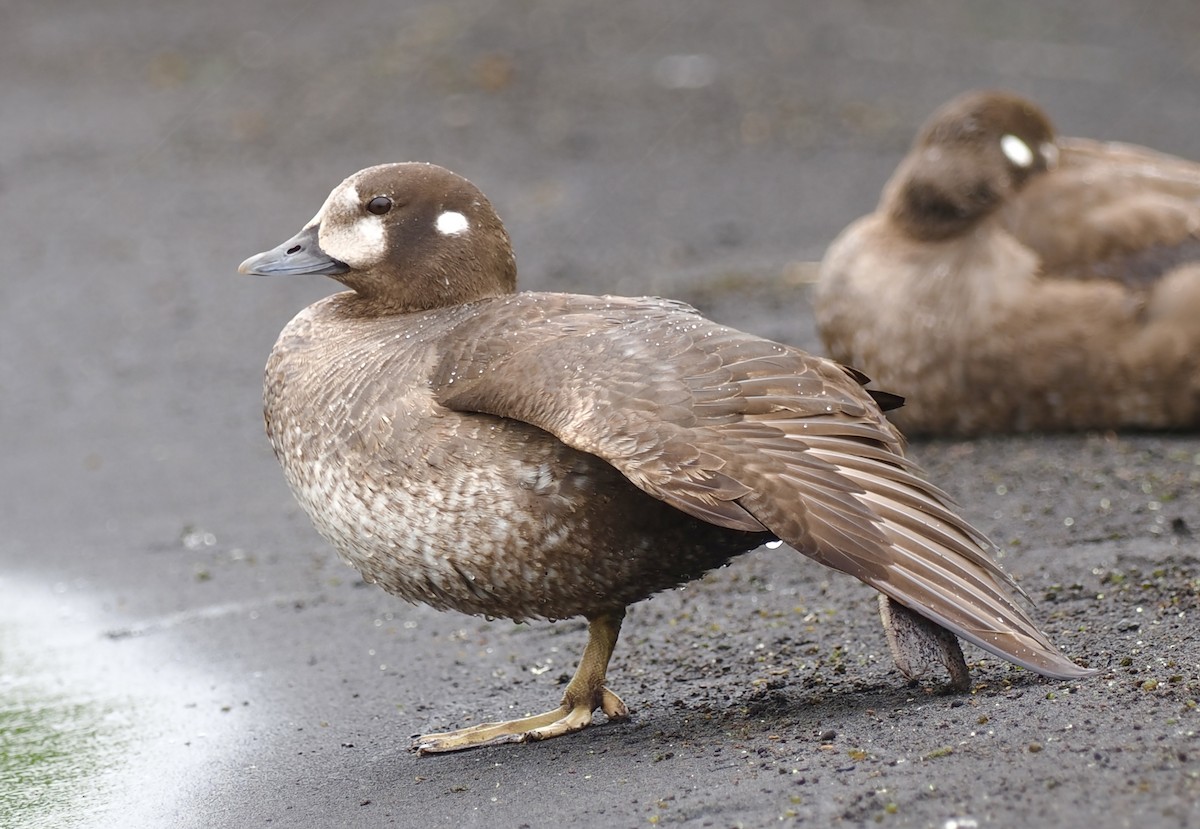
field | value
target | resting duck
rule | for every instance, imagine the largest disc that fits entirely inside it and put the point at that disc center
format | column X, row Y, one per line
column 1012, row 280
column 545, row 455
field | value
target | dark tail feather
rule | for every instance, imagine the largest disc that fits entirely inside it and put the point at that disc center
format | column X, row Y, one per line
column 885, row 400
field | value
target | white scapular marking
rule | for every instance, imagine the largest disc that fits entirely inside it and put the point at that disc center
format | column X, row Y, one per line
column 1018, row 151
column 451, row 223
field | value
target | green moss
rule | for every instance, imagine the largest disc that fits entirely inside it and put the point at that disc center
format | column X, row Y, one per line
column 54, row 744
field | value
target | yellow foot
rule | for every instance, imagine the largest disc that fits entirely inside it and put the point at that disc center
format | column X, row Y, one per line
column 565, row 719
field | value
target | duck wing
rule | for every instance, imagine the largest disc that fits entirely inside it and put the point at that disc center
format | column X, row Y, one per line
column 1110, row 211
column 744, row 433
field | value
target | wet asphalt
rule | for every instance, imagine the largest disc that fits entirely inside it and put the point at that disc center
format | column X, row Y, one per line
column 179, row 648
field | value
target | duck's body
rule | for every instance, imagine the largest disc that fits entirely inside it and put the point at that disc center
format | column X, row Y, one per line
column 543, row 455
column 1011, row 280
column 464, row 510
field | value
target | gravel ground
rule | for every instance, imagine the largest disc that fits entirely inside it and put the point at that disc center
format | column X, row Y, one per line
column 165, row 605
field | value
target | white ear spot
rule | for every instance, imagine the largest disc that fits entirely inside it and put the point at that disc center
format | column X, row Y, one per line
column 451, row 223
column 1018, row 151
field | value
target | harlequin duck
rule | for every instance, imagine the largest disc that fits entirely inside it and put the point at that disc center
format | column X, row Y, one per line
column 548, row 455
column 1012, row 280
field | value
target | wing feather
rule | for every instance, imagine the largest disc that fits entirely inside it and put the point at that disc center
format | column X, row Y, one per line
column 744, row 433
column 1110, row 211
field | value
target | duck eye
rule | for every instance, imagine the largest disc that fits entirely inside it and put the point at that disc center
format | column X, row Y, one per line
column 379, row 205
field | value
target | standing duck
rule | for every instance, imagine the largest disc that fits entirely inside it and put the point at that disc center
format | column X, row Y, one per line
column 547, row 456
column 1012, row 280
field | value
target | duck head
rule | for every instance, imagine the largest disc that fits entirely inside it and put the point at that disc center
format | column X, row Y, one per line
column 971, row 155
column 404, row 237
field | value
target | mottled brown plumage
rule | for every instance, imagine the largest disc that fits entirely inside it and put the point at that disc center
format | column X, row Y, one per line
column 540, row 455
column 1011, row 280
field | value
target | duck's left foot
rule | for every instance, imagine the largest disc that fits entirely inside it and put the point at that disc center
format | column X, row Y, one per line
column 562, row 720
column 585, row 693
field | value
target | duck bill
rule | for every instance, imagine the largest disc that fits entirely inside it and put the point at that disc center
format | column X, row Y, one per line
column 301, row 254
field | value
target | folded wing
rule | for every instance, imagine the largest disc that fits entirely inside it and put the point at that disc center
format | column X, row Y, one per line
column 1111, row 211
column 747, row 434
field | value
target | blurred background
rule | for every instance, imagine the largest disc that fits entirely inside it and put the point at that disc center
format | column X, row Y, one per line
column 692, row 148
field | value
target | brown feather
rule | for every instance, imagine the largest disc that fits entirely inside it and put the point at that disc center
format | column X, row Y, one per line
column 1064, row 300
column 795, row 445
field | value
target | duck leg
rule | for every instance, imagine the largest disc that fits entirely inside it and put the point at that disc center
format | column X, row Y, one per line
column 585, row 693
column 916, row 643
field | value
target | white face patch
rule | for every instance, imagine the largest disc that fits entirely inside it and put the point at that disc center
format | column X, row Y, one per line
column 370, row 229
column 316, row 220
column 357, row 241
column 451, row 223
column 1018, row 151
column 345, row 194
column 347, row 197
